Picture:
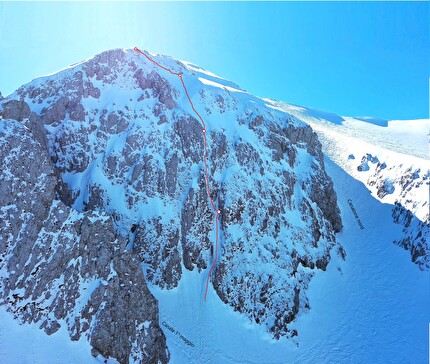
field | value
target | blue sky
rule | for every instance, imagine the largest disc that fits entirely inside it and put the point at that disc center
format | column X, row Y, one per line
column 353, row 58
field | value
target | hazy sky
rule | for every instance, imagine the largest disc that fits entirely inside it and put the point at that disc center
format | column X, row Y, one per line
column 354, row 58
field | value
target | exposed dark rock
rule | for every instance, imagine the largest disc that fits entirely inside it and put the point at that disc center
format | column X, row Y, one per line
column 15, row 110
column 159, row 87
column 416, row 235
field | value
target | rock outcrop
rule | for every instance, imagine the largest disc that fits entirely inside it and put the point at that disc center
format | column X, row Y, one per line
column 416, row 235
column 407, row 187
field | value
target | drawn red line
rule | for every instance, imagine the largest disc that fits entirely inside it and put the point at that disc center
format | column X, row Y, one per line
column 208, row 191
column 216, row 251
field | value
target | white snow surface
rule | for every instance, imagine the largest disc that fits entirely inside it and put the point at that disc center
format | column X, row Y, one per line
column 25, row 344
column 219, row 85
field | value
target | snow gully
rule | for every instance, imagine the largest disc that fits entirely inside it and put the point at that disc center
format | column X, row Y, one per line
column 217, row 212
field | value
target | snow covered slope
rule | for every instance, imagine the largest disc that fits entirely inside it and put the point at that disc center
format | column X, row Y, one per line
column 371, row 308
column 123, row 140
column 307, row 270
column 408, row 137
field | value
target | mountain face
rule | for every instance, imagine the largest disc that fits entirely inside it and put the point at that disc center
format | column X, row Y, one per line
column 103, row 192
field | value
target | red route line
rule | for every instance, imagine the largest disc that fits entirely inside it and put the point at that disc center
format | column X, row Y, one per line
column 214, row 208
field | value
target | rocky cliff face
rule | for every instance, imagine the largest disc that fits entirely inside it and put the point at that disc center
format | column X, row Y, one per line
column 103, row 174
column 64, row 267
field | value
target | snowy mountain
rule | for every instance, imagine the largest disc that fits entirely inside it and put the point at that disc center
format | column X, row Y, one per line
column 109, row 222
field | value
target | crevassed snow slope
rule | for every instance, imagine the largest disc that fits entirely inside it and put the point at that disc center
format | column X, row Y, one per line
column 409, row 137
column 401, row 147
